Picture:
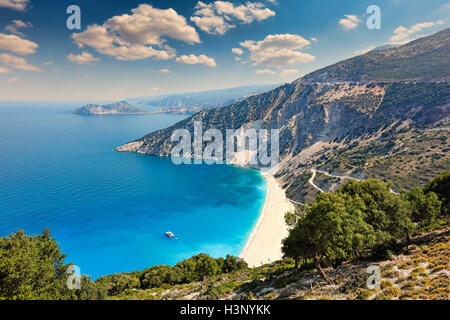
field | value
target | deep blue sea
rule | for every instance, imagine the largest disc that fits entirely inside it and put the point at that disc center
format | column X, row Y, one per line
column 108, row 210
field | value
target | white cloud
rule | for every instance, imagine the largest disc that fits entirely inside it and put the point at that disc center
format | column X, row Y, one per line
column 163, row 71
column 17, row 62
column 219, row 16
column 137, row 52
column 13, row 80
column 155, row 89
column 147, row 25
column 15, row 25
column 241, row 60
column 16, row 44
column 83, row 58
column 237, row 51
column 132, row 36
column 273, row 1
column 349, row 22
column 95, row 36
column 264, row 71
column 19, row 5
column 278, row 50
column 288, row 72
column 193, row 59
column 48, row 63
column 245, row 13
column 402, row 34
column 314, row 39
column 4, row 70
column 366, row 50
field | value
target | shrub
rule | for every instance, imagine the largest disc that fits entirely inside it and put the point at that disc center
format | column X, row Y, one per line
column 424, row 207
column 389, row 293
column 363, row 294
column 441, row 187
column 33, row 268
column 386, row 284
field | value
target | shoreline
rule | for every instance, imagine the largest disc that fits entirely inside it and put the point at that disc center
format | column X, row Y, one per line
column 264, row 244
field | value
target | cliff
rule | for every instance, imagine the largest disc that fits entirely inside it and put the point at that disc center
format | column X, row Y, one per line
column 384, row 114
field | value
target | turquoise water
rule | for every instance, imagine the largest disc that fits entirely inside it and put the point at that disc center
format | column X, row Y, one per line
column 108, row 210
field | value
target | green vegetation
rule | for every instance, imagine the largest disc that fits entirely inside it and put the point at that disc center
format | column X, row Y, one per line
column 441, row 187
column 424, row 207
column 300, row 190
column 327, row 183
column 415, row 271
column 360, row 219
column 333, row 228
column 32, row 268
column 190, row 270
column 405, row 155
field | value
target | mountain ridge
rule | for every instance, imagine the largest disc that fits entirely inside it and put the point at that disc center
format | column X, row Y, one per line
column 427, row 58
column 339, row 109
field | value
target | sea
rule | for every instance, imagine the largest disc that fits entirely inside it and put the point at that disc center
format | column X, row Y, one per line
column 109, row 211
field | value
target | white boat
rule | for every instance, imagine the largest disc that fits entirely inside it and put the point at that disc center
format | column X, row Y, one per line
column 169, row 234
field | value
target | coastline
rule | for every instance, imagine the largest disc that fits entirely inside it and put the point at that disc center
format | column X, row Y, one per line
column 264, row 243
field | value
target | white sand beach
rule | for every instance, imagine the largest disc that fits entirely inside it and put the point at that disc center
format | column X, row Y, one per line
column 264, row 244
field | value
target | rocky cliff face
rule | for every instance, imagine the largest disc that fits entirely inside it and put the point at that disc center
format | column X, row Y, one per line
column 343, row 110
column 115, row 108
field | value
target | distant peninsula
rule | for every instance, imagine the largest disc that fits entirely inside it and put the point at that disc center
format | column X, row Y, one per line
column 118, row 108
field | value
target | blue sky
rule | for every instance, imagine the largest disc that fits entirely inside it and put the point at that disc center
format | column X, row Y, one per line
column 140, row 48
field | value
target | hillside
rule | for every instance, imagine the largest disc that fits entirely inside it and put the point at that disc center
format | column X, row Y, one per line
column 419, row 271
column 115, row 108
column 364, row 116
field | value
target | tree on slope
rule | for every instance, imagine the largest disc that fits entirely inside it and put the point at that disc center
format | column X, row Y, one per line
column 425, row 207
column 33, row 268
column 333, row 229
column 441, row 187
column 385, row 211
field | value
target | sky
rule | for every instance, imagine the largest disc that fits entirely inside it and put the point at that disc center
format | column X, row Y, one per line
column 128, row 48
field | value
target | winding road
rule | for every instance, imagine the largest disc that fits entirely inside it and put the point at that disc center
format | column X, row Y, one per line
column 311, row 180
column 314, row 174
